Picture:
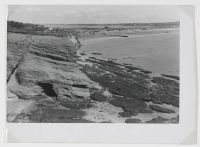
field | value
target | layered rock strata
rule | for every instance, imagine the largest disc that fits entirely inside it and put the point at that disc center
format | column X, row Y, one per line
column 44, row 68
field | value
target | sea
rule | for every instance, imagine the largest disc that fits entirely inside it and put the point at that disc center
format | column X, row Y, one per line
column 157, row 52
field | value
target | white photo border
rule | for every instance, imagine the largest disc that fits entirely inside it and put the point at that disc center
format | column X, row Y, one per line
column 184, row 132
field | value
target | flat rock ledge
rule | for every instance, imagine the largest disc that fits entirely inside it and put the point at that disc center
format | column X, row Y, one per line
column 132, row 120
column 161, row 120
column 161, row 109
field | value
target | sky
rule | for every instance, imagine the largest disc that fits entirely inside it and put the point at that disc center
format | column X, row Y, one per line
column 85, row 14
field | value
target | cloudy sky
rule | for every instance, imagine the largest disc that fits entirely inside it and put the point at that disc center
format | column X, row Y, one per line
column 57, row 14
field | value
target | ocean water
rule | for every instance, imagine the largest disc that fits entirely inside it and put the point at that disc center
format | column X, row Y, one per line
column 158, row 53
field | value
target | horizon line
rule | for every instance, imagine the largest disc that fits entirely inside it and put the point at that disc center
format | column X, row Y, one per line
column 178, row 21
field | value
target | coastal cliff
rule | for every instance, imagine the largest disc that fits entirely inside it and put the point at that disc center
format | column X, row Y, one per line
column 42, row 72
column 49, row 82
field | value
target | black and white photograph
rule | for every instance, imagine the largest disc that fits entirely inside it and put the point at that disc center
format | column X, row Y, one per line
column 93, row 64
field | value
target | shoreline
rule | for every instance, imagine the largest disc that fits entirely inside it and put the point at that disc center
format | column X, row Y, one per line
column 61, row 87
column 131, row 34
column 106, row 115
column 87, row 41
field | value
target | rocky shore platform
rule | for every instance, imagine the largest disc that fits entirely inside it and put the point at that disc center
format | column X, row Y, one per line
column 48, row 82
column 134, row 90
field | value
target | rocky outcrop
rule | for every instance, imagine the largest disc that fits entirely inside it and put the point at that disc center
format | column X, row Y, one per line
column 47, row 84
column 98, row 96
column 132, row 120
column 17, row 48
column 45, row 67
column 130, row 105
column 165, row 91
column 157, row 120
column 134, row 89
column 161, row 109
column 126, row 114
column 161, row 120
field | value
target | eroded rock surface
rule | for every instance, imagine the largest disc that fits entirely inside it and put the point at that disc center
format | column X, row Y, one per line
column 47, row 84
column 160, row 120
column 161, row 109
column 134, row 89
column 165, row 91
column 131, row 105
column 98, row 96
column 43, row 67
column 133, row 120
